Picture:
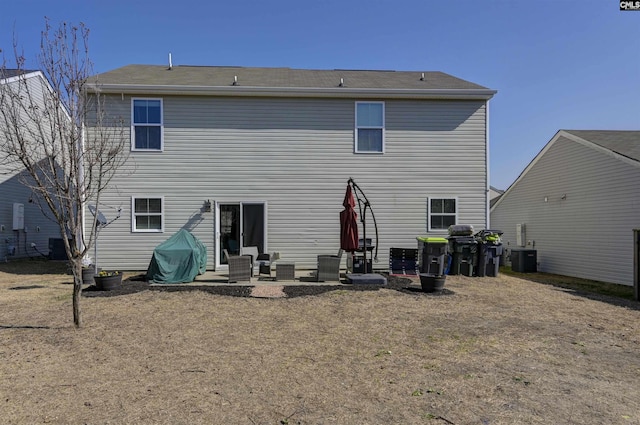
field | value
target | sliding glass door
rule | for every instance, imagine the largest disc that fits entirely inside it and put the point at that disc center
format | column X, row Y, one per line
column 239, row 224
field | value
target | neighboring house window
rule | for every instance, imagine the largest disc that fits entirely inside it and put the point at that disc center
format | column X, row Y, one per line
column 369, row 127
column 147, row 214
column 442, row 213
column 147, row 124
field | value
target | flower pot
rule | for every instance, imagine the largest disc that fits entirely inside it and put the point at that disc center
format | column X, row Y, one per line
column 88, row 273
column 432, row 283
column 108, row 283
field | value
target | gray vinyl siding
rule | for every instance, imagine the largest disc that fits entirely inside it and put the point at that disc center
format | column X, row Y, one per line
column 297, row 155
column 589, row 233
column 38, row 226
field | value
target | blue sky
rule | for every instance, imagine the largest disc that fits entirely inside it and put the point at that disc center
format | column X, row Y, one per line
column 557, row 64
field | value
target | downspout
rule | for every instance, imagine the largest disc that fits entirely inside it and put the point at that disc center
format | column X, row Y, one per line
column 487, row 191
column 80, row 237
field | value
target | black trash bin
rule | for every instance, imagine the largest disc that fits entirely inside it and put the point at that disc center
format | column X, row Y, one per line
column 431, row 254
column 489, row 259
column 524, row 260
column 464, row 251
column 489, row 252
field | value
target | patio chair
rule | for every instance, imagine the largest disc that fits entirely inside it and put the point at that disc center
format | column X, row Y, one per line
column 256, row 258
column 265, row 261
column 329, row 267
column 403, row 261
column 239, row 267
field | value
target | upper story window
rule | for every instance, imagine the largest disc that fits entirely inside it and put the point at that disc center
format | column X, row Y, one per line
column 146, row 125
column 369, row 127
column 147, row 214
column 442, row 213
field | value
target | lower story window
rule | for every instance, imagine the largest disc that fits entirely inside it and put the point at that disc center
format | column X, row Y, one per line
column 147, row 214
column 442, row 213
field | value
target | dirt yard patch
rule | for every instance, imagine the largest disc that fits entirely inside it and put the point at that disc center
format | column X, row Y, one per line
column 492, row 351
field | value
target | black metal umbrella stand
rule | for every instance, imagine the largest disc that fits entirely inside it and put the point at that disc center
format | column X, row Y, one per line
column 363, row 204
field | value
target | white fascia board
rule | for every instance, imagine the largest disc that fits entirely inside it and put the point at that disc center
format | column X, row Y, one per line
column 24, row 77
column 467, row 94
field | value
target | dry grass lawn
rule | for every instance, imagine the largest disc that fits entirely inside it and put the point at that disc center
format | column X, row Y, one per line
column 496, row 351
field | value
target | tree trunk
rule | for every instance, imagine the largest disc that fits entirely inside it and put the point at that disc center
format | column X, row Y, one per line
column 77, row 293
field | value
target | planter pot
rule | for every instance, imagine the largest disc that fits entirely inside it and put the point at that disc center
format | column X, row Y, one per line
column 87, row 275
column 108, row 283
column 432, row 283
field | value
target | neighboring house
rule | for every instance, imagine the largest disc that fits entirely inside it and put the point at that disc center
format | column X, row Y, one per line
column 578, row 204
column 494, row 194
column 22, row 222
column 262, row 156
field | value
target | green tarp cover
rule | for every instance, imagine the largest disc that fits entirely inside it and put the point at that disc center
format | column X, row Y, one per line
column 179, row 259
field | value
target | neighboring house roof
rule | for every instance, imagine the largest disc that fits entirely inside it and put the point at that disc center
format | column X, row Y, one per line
column 7, row 73
column 621, row 144
column 270, row 81
column 625, row 143
column 496, row 190
column 494, row 195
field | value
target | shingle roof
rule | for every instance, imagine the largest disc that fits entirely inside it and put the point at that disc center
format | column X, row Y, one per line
column 625, row 143
column 9, row 73
column 285, row 78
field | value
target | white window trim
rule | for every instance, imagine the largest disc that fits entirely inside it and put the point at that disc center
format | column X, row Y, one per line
column 161, row 125
column 133, row 214
column 383, row 128
column 429, row 198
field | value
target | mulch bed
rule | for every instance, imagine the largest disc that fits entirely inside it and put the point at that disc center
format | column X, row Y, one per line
column 138, row 284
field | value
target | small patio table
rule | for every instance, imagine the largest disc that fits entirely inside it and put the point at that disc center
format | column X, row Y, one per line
column 285, row 270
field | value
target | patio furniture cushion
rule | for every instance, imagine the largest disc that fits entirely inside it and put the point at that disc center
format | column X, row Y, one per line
column 254, row 253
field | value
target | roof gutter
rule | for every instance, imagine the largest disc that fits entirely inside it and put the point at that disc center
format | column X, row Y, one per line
column 333, row 92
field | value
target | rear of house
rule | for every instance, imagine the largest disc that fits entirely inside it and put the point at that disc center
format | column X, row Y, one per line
column 262, row 156
column 577, row 205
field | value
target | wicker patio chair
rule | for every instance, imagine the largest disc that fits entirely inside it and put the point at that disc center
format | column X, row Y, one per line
column 258, row 260
column 266, row 262
column 329, row 267
column 239, row 267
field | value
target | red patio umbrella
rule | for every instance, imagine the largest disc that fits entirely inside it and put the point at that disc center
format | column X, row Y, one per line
column 349, row 223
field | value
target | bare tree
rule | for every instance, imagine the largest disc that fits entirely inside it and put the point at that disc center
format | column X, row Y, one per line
column 43, row 138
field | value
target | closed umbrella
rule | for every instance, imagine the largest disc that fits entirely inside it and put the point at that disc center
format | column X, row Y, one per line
column 349, row 223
